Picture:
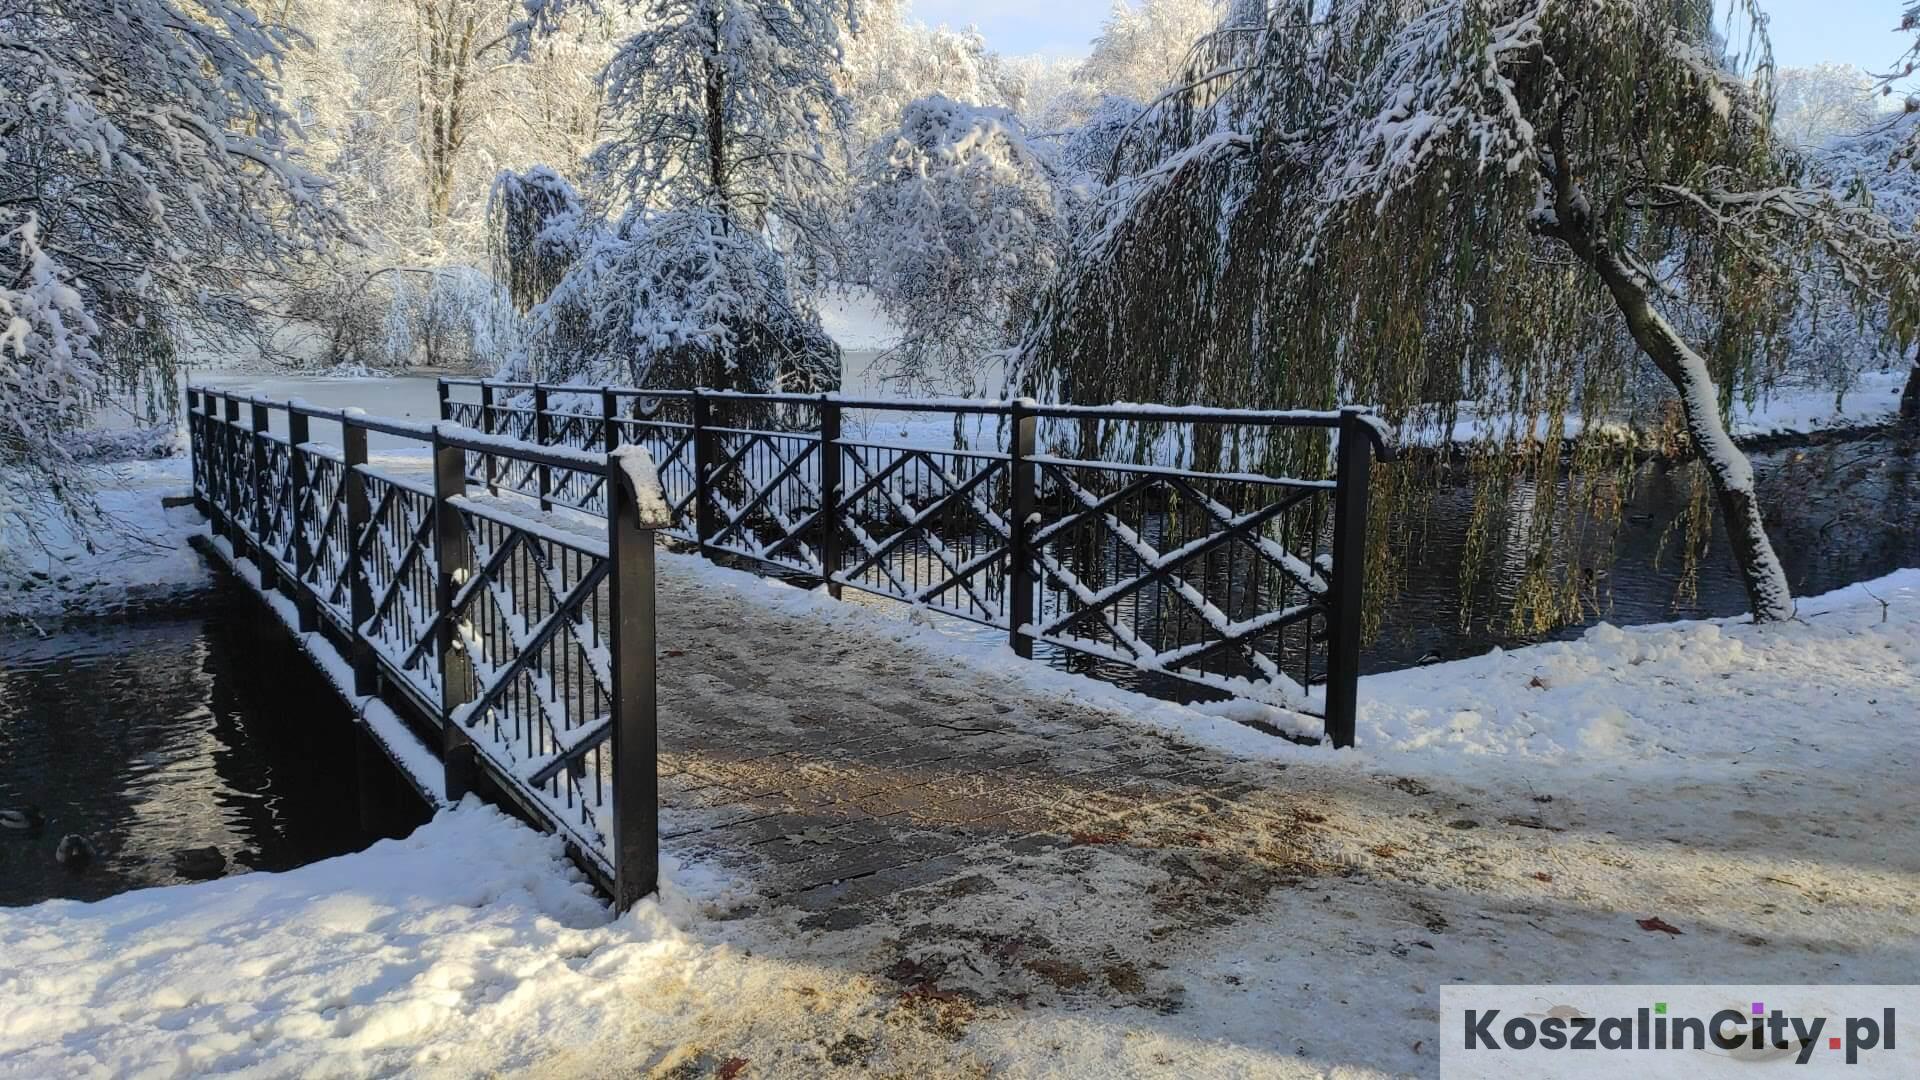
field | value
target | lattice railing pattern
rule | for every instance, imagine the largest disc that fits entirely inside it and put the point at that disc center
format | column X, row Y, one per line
column 1206, row 579
column 322, row 516
column 490, row 618
column 531, row 616
column 396, row 554
column 1221, row 578
column 928, row 527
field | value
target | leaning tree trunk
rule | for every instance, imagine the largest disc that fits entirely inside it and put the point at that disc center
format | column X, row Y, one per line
column 1768, row 593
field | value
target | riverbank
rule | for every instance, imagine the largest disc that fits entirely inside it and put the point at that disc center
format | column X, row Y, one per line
column 133, row 550
column 1782, row 417
column 1696, row 803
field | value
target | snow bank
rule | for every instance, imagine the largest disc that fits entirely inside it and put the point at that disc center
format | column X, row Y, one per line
column 441, row 952
column 1874, row 400
column 1833, row 684
column 1783, row 411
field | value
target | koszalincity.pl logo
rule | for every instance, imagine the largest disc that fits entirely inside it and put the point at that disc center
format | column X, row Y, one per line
column 1655, row 1027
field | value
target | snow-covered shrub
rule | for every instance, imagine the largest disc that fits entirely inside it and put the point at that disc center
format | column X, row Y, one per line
column 679, row 299
column 960, row 229
column 338, row 318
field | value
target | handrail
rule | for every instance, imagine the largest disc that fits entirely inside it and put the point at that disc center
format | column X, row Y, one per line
column 1199, row 560
column 1115, row 411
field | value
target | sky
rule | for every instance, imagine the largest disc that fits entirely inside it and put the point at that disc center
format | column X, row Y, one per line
column 1805, row 32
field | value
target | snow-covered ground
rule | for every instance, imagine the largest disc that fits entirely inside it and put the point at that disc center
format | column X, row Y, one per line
column 1873, row 401
column 1510, row 818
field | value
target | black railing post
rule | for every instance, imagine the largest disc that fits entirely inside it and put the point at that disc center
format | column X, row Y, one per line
column 236, row 483
column 543, row 436
column 1020, row 450
column 217, row 463
column 830, row 452
column 193, row 448
column 263, row 555
column 298, row 434
column 486, row 425
column 636, row 770
column 704, row 525
column 353, row 446
column 1352, row 471
column 446, row 400
column 453, row 559
column 239, row 468
column 609, row 420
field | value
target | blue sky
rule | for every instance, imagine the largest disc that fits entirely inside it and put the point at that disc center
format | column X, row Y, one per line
column 1805, row 32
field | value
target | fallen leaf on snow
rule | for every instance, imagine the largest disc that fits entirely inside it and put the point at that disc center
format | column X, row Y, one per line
column 1659, row 924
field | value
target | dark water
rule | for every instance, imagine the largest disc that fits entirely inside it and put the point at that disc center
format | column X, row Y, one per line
column 169, row 730
column 1838, row 514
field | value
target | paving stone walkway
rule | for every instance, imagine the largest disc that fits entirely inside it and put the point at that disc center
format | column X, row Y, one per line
column 834, row 770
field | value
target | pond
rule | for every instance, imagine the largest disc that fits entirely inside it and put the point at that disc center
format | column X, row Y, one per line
column 183, row 742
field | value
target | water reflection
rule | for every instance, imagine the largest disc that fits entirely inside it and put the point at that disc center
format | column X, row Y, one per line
column 157, row 735
column 1838, row 514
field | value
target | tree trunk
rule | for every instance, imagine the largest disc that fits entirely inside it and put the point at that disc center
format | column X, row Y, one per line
column 1910, row 397
column 1768, row 593
column 715, row 103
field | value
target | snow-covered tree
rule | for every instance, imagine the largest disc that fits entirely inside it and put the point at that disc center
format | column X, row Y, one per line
column 733, row 107
column 451, row 317
column 428, row 99
column 1089, row 152
column 1835, row 331
column 1144, row 49
column 960, row 229
column 893, row 61
column 722, row 167
column 148, row 189
column 1522, row 202
column 1817, row 103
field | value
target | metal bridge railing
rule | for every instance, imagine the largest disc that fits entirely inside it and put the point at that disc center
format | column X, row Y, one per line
column 521, row 640
column 1167, row 540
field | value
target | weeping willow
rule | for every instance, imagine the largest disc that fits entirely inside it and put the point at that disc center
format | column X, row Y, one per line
column 532, row 231
column 1524, row 229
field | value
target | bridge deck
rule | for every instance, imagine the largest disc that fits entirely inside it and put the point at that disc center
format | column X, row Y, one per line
column 835, row 769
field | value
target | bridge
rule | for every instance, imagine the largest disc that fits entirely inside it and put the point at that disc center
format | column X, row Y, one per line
column 487, row 603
